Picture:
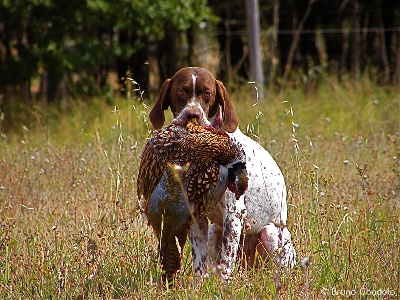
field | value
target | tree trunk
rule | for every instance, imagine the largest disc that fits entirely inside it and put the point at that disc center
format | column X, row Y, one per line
column 272, row 57
column 122, row 62
column 295, row 42
column 395, row 49
column 396, row 59
column 228, row 59
column 190, row 36
column 355, row 42
column 169, row 58
column 52, row 85
column 379, row 54
column 49, row 86
column 253, row 30
column 140, row 69
column 27, row 90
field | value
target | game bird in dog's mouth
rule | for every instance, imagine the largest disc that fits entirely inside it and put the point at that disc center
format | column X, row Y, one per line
column 184, row 173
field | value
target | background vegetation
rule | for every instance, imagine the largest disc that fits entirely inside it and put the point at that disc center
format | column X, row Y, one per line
column 72, row 127
column 71, row 227
column 54, row 50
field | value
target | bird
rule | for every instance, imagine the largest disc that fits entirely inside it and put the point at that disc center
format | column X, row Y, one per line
column 184, row 172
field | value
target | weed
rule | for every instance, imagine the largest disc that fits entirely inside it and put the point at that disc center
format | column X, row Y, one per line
column 70, row 224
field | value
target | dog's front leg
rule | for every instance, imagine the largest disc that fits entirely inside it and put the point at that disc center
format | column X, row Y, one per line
column 198, row 241
column 233, row 216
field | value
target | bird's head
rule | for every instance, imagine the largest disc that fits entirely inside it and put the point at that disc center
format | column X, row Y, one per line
column 237, row 178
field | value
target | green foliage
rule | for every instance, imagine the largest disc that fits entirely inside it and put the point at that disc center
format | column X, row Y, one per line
column 79, row 36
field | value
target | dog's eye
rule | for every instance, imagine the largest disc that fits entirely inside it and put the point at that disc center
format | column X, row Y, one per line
column 207, row 94
column 180, row 93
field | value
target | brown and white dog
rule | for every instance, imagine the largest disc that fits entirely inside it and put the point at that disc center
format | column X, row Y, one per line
column 261, row 212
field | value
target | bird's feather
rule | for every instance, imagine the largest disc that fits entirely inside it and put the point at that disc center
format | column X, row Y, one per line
column 204, row 148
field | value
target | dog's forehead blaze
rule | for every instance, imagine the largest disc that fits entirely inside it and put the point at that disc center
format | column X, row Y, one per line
column 201, row 78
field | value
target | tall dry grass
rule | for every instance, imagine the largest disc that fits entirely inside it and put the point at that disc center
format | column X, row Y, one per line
column 71, row 227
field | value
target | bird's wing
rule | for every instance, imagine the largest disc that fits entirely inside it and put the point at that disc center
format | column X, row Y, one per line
column 204, row 148
column 154, row 158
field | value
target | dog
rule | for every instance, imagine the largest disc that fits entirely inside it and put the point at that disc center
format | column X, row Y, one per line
column 259, row 216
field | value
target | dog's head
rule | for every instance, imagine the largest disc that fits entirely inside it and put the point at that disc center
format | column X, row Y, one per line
column 194, row 93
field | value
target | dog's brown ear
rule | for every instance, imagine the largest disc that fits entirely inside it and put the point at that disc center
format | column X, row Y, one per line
column 157, row 116
column 230, row 121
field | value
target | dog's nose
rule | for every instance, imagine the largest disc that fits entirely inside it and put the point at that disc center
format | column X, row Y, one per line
column 192, row 114
column 186, row 115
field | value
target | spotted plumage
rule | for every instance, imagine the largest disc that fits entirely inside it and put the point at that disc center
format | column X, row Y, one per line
column 172, row 197
column 204, row 148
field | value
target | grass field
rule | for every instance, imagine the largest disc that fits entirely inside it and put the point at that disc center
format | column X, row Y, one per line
column 70, row 227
